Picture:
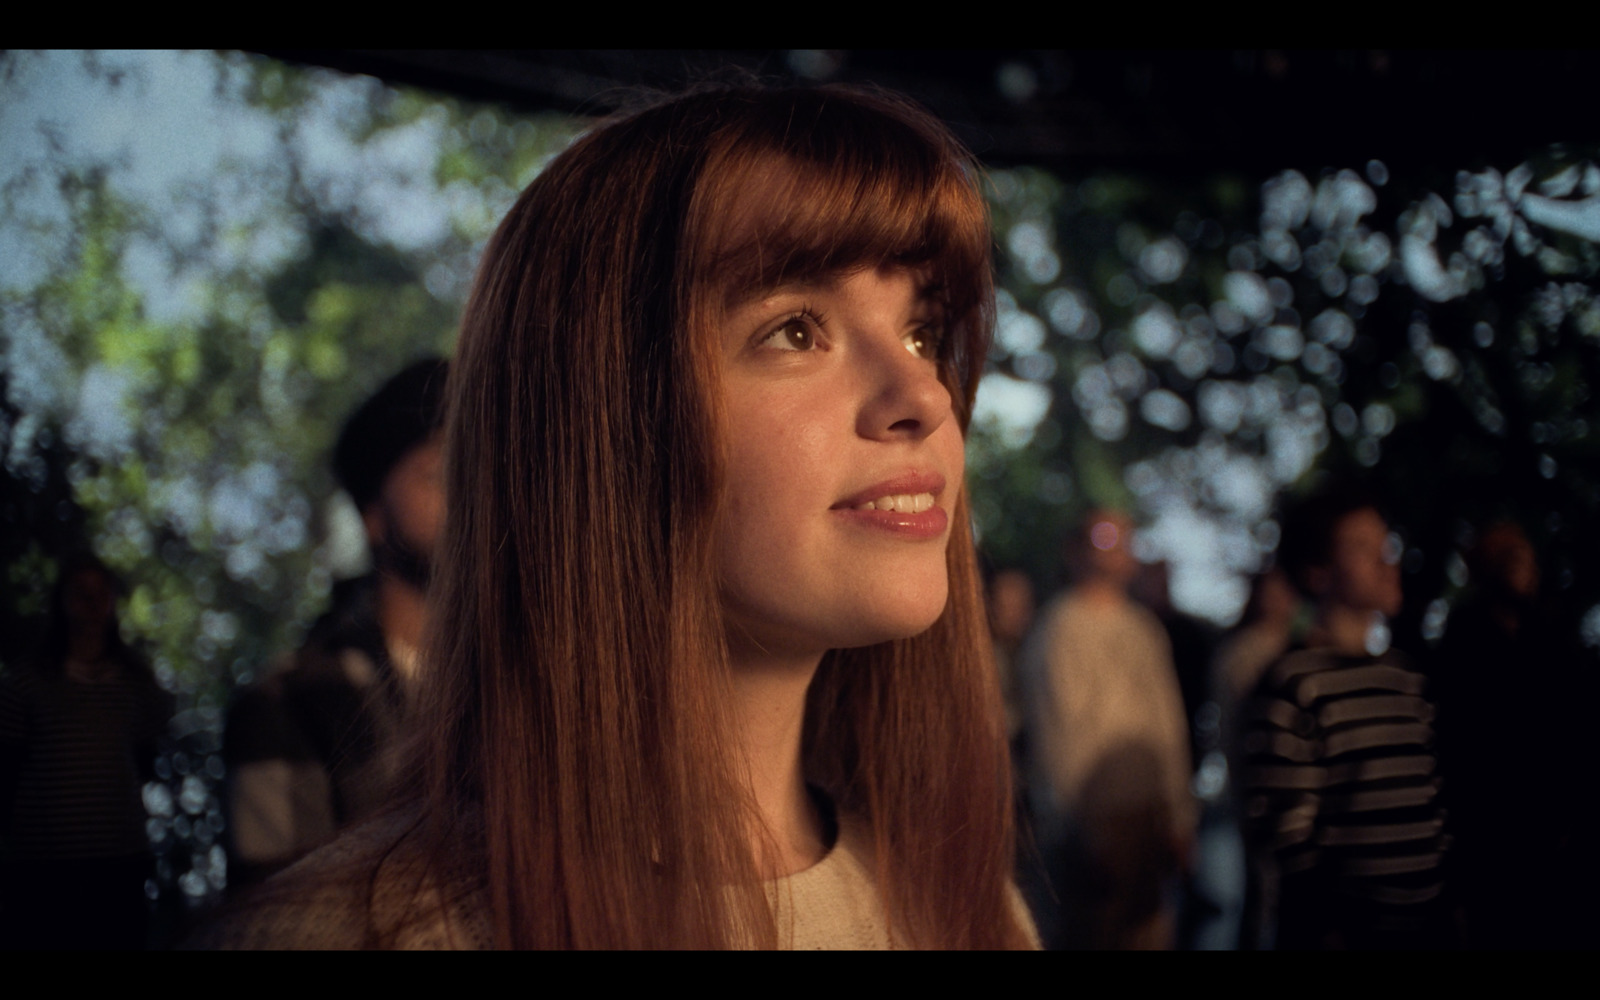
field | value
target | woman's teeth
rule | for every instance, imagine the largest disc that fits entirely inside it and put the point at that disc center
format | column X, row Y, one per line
column 905, row 503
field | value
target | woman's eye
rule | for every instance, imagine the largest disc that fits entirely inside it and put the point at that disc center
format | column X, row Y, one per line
column 794, row 335
column 924, row 342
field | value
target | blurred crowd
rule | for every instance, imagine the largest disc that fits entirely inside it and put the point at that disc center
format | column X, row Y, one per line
column 312, row 747
column 1304, row 780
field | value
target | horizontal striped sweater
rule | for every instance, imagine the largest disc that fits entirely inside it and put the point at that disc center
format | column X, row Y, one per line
column 1342, row 784
column 80, row 748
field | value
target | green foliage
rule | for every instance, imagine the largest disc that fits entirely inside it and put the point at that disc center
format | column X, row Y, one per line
column 1204, row 348
column 191, row 451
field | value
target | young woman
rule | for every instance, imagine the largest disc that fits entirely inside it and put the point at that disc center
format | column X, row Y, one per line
column 709, row 665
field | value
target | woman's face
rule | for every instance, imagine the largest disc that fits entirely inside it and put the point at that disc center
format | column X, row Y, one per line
column 845, row 463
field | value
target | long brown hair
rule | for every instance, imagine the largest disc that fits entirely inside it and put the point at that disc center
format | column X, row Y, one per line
column 578, row 696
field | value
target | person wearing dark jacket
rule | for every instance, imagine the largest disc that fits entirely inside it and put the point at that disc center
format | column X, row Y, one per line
column 315, row 745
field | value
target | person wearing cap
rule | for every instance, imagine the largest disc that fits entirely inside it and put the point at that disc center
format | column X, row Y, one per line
column 314, row 746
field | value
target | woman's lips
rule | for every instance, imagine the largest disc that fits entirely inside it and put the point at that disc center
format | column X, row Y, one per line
column 909, row 484
column 928, row 524
column 905, row 505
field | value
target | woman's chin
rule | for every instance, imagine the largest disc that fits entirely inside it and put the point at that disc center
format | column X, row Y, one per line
column 905, row 623
column 769, row 639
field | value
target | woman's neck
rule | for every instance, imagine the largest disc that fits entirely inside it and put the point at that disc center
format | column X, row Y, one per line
column 770, row 702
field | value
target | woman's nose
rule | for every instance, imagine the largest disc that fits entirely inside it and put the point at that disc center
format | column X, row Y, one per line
column 905, row 396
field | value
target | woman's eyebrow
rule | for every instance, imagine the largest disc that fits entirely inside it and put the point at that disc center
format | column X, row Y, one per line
column 739, row 295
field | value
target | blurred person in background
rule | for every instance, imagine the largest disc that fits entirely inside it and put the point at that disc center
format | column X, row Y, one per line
column 1342, row 785
column 79, row 728
column 1275, row 618
column 1509, row 717
column 1191, row 639
column 1272, row 621
column 316, row 745
column 1008, row 595
column 1110, row 750
column 1011, row 609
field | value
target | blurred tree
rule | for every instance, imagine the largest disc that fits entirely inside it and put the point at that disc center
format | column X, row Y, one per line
column 1194, row 350
column 185, row 434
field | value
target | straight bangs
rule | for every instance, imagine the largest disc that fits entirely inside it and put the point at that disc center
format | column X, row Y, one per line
column 813, row 184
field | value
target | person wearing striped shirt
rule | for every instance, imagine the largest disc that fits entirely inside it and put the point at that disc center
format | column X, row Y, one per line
column 79, row 726
column 1342, row 786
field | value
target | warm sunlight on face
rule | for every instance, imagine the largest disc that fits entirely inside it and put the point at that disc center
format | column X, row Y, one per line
column 845, row 463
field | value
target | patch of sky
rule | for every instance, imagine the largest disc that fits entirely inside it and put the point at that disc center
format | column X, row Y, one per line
column 1363, row 289
column 1247, row 293
column 98, row 426
column 1283, row 343
column 1318, row 360
column 1378, row 419
column 1263, row 402
column 1281, row 248
column 1162, row 261
column 1156, row 331
column 1193, row 357
column 1036, row 366
column 1333, row 328
column 234, row 510
column 1589, row 627
column 1285, row 201
column 1222, row 405
column 1434, row 619
column 1128, row 377
column 1291, row 448
column 1419, row 260
column 1372, row 254
column 1439, row 363
column 1017, row 331
column 181, row 499
column 1203, row 581
column 1227, row 318
column 1580, row 218
column 1341, row 201
column 39, row 369
column 172, row 123
column 1165, row 409
column 1143, row 477
column 1240, row 486
column 1031, row 246
column 1010, row 409
column 1071, row 314
column 1108, row 420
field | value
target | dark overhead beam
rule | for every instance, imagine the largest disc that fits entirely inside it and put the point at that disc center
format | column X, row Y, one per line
column 1180, row 112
